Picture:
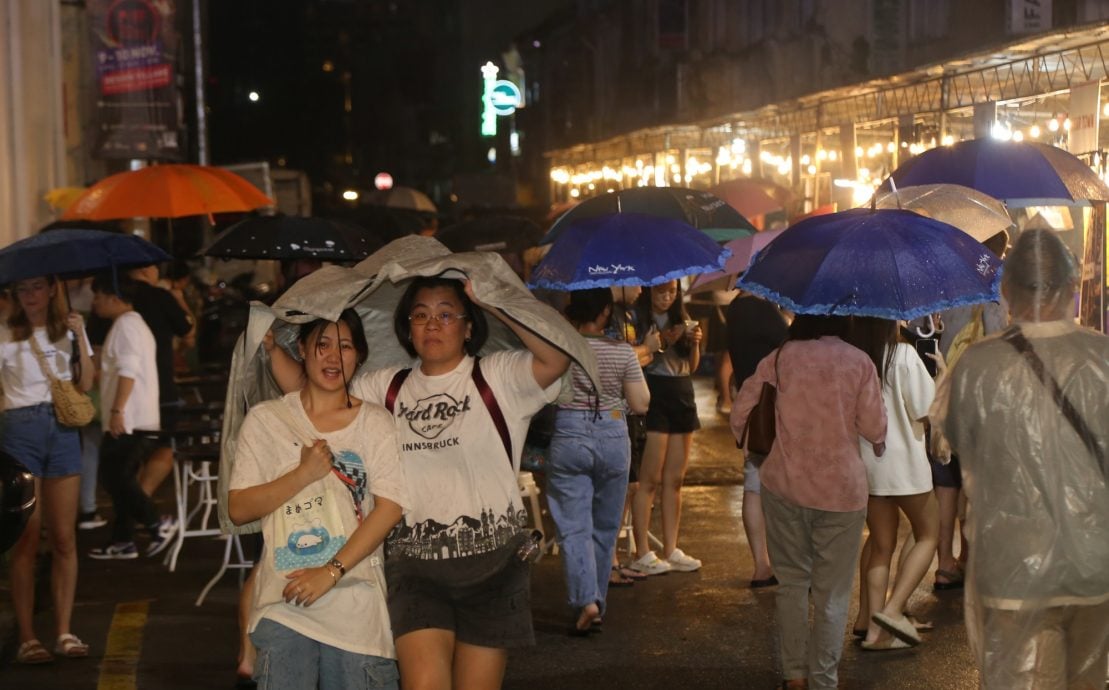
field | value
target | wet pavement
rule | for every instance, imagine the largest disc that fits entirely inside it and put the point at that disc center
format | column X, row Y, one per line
column 698, row 630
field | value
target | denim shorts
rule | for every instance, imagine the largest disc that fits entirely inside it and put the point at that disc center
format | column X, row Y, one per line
column 33, row 436
column 288, row 660
column 751, row 480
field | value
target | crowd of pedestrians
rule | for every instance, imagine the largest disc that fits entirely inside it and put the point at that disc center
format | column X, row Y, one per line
column 396, row 541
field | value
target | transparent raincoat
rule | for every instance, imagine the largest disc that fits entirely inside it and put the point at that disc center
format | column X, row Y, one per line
column 1037, row 596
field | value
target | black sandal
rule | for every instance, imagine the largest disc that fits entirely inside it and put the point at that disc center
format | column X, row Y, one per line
column 618, row 579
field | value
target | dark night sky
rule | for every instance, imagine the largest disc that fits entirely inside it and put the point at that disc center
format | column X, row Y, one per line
column 414, row 84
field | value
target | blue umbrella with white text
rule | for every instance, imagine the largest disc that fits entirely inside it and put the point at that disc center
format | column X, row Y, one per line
column 626, row 249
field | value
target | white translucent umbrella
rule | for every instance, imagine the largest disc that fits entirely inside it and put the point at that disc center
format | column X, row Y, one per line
column 979, row 215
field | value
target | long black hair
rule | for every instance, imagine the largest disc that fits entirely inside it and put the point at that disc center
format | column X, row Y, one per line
column 479, row 327
column 676, row 314
column 876, row 337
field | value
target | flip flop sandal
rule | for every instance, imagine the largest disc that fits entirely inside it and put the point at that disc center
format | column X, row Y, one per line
column 69, row 645
column 633, row 574
column 616, row 579
column 921, row 626
column 32, row 652
column 885, row 645
column 902, row 629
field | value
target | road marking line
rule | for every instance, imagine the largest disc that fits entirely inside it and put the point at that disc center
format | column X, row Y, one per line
column 119, row 669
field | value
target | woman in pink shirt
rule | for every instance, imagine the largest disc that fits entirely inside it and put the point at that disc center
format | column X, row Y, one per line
column 815, row 486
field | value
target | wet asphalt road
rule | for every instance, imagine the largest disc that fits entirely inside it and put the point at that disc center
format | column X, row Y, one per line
column 693, row 630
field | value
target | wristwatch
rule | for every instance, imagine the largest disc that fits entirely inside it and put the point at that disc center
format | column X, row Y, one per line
column 336, row 563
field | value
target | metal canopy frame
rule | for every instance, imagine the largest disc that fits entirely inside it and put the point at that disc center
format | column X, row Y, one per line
column 1039, row 68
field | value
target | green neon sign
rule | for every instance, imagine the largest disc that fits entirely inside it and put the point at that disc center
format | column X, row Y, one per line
column 500, row 97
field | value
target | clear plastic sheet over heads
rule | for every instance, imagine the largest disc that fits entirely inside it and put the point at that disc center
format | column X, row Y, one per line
column 1037, row 597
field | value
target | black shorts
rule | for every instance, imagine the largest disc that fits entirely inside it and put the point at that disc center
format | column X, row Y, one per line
column 493, row 613
column 949, row 475
column 673, row 409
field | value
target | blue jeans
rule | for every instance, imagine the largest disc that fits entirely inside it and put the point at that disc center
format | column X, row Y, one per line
column 587, row 479
column 33, row 436
column 288, row 660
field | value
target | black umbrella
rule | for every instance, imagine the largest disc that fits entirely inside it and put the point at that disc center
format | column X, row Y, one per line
column 491, row 234
column 702, row 210
column 294, row 237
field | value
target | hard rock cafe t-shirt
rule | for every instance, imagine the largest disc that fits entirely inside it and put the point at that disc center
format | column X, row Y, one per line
column 464, row 494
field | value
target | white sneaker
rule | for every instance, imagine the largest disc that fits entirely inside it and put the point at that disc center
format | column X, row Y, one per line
column 683, row 563
column 650, row 564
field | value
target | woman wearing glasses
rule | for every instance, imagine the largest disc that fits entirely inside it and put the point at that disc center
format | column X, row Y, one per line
column 457, row 600
column 41, row 341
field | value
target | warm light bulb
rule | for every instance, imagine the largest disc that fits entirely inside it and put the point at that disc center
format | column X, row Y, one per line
column 1034, row 132
column 1053, row 125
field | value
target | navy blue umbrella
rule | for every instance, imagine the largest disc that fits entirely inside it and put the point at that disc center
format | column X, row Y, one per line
column 891, row 264
column 1004, row 170
column 700, row 209
column 72, row 253
column 626, row 249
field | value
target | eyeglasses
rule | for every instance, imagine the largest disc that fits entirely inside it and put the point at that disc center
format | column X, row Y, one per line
column 446, row 319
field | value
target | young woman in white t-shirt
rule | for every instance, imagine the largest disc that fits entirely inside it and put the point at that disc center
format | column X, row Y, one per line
column 320, row 469
column 899, row 481
column 466, row 510
column 51, row 452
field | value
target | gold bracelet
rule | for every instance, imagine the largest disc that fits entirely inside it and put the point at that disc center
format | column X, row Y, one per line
column 334, row 577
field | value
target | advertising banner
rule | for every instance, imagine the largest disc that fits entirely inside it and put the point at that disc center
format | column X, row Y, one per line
column 134, row 45
column 1085, row 107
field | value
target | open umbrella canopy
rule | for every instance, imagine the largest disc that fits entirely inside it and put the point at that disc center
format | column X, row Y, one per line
column 742, row 249
column 690, row 206
column 886, row 263
column 293, row 237
column 625, row 249
column 72, row 253
column 494, row 233
column 979, row 215
column 1005, row 170
column 403, row 197
column 753, row 196
column 167, row 191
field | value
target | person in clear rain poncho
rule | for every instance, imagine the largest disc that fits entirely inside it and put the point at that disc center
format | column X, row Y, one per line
column 1037, row 598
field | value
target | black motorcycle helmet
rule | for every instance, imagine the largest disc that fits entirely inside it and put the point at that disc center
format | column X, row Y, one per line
column 17, row 500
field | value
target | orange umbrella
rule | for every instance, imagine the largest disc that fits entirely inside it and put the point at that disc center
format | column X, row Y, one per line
column 167, row 191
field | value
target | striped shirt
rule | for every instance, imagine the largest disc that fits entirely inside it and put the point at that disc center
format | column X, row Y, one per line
column 616, row 362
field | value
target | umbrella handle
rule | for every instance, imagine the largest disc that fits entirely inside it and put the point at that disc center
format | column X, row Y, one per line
column 929, row 329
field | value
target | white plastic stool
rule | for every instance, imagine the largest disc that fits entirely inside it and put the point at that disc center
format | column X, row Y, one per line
column 530, row 491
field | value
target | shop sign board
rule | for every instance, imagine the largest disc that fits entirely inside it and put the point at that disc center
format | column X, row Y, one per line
column 1029, row 16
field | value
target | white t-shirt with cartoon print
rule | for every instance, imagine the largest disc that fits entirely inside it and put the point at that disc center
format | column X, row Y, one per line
column 466, row 499
column 352, row 616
